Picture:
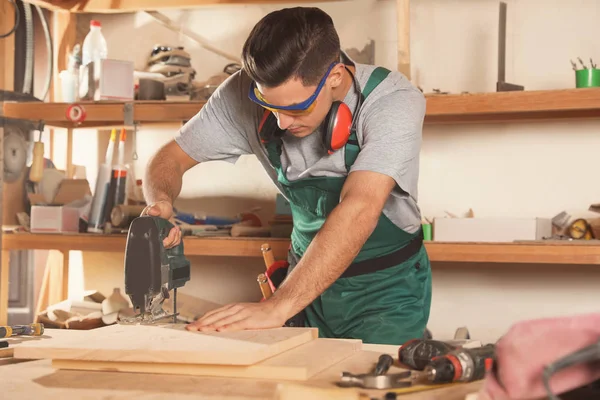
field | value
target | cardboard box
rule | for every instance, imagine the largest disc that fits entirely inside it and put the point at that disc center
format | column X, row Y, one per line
column 491, row 229
column 63, row 213
column 54, row 219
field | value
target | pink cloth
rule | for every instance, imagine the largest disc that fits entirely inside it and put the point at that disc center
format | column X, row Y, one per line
column 529, row 346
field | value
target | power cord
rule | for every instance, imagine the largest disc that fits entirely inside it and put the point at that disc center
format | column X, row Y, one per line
column 17, row 18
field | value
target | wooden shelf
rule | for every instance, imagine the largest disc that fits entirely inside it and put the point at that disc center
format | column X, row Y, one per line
column 520, row 106
column 104, row 113
column 579, row 253
column 126, row 6
column 193, row 246
column 441, row 109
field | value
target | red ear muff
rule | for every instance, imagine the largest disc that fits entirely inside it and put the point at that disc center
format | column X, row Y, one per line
column 337, row 125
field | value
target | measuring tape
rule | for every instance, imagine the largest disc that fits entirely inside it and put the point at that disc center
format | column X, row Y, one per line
column 76, row 113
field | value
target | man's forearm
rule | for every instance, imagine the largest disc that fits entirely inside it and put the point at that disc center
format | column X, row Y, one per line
column 332, row 250
column 163, row 180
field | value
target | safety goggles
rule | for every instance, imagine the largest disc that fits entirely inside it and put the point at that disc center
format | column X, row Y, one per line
column 302, row 108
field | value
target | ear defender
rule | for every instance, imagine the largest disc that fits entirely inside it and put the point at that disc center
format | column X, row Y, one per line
column 337, row 124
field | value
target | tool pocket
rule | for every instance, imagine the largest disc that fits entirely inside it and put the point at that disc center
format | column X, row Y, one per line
column 312, row 200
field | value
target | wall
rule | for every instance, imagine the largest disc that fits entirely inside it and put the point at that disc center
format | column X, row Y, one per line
column 528, row 170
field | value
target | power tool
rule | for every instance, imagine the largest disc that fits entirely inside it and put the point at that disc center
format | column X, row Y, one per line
column 151, row 270
column 461, row 365
column 443, row 362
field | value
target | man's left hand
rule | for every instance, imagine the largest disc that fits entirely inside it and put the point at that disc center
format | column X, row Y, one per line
column 239, row 316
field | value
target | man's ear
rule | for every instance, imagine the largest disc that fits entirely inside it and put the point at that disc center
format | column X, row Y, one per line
column 336, row 76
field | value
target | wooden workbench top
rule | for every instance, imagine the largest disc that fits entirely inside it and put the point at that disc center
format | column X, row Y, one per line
column 37, row 379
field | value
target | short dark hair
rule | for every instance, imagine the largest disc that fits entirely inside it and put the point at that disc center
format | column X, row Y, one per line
column 292, row 42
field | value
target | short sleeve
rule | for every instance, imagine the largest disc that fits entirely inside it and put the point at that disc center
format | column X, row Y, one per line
column 391, row 137
column 219, row 130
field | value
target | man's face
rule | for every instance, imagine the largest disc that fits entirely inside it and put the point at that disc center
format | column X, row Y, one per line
column 293, row 92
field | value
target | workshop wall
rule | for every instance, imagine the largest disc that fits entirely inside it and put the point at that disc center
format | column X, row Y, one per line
column 533, row 170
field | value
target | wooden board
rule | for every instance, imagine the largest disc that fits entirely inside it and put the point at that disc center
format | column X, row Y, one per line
column 299, row 363
column 38, row 380
column 169, row 343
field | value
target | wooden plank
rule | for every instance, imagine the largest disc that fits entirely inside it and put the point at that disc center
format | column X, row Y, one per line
column 123, row 6
column 539, row 253
column 523, row 106
column 193, row 246
column 547, row 252
column 105, row 113
column 513, row 106
column 297, row 364
column 403, row 11
column 169, row 343
column 37, row 379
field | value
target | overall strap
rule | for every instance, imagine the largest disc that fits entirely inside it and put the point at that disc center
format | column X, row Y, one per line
column 352, row 147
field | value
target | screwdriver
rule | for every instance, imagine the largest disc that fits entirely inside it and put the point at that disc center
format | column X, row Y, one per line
column 36, row 329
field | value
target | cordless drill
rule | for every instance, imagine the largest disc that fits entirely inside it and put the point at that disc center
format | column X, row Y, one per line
column 442, row 362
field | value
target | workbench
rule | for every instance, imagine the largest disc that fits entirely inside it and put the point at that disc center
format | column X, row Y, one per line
column 37, row 379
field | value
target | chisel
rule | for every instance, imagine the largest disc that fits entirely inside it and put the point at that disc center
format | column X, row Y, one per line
column 267, row 253
column 36, row 329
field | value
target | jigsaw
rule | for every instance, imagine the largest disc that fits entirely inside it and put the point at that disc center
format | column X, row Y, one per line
column 151, row 270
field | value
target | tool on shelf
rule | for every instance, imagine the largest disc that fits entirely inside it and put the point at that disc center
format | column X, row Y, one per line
column 36, row 170
column 574, row 65
column 36, row 329
column 151, row 270
column 580, row 229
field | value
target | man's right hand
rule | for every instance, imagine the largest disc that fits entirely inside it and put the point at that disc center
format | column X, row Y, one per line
column 164, row 209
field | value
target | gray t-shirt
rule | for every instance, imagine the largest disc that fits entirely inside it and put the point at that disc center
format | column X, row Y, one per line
column 389, row 131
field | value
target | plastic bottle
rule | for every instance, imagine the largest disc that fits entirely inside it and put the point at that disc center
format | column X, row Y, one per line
column 94, row 47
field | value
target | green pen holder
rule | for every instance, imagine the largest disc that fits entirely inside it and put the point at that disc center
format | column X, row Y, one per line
column 587, row 78
column 426, row 231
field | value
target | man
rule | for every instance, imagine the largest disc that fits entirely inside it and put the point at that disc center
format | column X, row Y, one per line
column 358, row 268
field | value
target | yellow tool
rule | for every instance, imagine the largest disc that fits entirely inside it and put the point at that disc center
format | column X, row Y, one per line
column 36, row 329
column 580, row 229
column 37, row 165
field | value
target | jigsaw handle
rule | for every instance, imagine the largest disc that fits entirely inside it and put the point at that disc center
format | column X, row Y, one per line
column 179, row 266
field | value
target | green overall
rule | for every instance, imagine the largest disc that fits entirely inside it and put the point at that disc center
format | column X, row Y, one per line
column 388, row 306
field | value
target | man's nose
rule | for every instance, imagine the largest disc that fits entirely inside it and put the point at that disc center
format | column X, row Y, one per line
column 284, row 121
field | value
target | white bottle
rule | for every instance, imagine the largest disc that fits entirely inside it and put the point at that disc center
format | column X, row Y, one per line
column 94, row 47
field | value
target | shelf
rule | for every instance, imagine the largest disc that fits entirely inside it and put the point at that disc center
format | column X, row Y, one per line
column 193, row 246
column 125, row 6
column 576, row 253
column 105, row 113
column 519, row 106
column 441, row 109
